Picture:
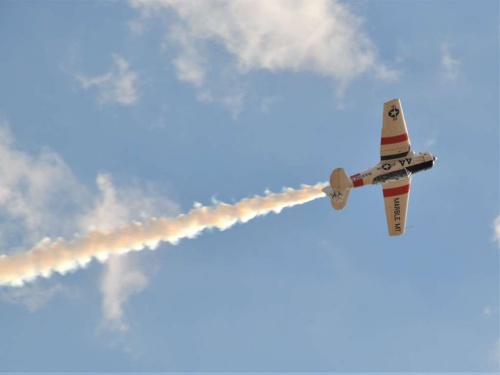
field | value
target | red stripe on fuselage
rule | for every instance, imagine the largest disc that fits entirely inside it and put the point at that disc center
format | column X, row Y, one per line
column 391, row 192
column 395, row 139
column 358, row 183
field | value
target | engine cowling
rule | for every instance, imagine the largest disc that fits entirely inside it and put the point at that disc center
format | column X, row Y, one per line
column 425, row 160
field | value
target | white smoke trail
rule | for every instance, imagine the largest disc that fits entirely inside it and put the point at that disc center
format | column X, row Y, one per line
column 61, row 256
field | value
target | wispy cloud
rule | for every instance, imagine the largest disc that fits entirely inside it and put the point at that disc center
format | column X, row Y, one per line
column 450, row 67
column 33, row 296
column 318, row 36
column 31, row 209
column 488, row 311
column 121, row 279
column 496, row 230
column 430, row 142
column 107, row 212
column 30, row 190
column 115, row 207
column 118, row 86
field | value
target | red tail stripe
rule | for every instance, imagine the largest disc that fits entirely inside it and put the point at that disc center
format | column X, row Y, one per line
column 391, row 192
column 394, row 139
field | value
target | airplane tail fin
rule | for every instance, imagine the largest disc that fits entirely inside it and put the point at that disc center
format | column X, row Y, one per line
column 339, row 189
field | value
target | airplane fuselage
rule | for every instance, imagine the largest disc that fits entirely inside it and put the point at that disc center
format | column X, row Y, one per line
column 394, row 170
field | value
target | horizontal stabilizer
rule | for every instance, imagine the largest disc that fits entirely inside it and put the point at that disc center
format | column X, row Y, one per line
column 339, row 180
column 339, row 189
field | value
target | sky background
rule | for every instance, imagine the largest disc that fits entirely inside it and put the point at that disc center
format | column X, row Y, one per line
column 112, row 111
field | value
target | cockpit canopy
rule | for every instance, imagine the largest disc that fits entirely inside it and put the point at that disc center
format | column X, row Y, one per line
column 392, row 176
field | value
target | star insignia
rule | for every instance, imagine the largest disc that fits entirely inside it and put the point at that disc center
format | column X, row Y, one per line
column 393, row 113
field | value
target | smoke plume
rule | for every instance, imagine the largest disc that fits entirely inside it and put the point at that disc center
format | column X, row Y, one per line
column 61, row 256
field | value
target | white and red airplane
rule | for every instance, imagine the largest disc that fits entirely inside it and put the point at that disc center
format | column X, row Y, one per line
column 398, row 162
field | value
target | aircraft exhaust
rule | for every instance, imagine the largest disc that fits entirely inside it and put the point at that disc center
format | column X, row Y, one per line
column 61, row 256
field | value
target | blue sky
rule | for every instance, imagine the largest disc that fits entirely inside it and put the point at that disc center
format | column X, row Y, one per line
column 118, row 111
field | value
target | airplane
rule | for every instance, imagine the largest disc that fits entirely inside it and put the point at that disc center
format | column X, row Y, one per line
column 398, row 163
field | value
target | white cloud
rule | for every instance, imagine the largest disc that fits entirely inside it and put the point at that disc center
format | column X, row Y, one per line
column 32, row 296
column 487, row 311
column 31, row 208
column 233, row 101
column 118, row 86
column 120, row 280
column 107, row 212
column 122, row 277
column 40, row 197
column 430, row 142
column 318, row 36
column 191, row 65
column 30, row 194
column 450, row 67
column 496, row 230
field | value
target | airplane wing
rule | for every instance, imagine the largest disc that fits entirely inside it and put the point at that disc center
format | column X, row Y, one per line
column 396, row 195
column 395, row 142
